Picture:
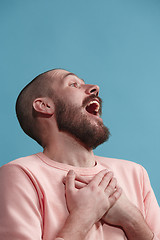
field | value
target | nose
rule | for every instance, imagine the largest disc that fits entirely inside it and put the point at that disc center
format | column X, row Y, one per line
column 92, row 89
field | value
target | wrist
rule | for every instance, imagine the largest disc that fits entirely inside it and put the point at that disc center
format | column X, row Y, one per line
column 76, row 227
column 82, row 220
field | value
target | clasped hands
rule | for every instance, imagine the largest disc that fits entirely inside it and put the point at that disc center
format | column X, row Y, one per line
column 103, row 200
column 100, row 199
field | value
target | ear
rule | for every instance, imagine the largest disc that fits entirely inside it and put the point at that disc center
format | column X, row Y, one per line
column 44, row 105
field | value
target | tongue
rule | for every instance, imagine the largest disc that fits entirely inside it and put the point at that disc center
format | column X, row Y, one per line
column 91, row 108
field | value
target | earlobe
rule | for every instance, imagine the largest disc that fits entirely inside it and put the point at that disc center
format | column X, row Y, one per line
column 44, row 106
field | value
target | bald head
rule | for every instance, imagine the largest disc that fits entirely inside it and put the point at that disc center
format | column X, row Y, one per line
column 41, row 86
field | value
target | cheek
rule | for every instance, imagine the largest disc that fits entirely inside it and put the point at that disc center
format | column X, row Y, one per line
column 75, row 98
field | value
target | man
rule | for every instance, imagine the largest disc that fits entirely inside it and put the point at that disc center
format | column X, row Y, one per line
column 66, row 192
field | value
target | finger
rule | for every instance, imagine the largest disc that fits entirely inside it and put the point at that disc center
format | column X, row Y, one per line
column 111, row 186
column 79, row 185
column 113, row 183
column 98, row 178
column 115, row 196
column 70, row 181
column 82, row 179
column 106, row 180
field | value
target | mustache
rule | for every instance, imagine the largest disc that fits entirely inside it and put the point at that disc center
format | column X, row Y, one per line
column 93, row 97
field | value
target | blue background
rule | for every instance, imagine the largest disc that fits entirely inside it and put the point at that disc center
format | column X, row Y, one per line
column 115, row 44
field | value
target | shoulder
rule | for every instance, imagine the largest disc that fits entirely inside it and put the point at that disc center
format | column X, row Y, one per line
column 131, row 176
column 24, row 167
column 20, row 175
column 121, row 166
column 23, row 162
column 114, row 162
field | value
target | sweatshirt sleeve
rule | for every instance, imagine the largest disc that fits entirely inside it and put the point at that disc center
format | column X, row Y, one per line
column 152, row 209
column 20, row 211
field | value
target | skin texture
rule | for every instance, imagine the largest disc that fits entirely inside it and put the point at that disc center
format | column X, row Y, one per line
column 122, row 213
column 101, row 194
column 82, row 155
column 88, row 203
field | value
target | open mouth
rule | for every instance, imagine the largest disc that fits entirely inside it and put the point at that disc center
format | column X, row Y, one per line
column 93, row 107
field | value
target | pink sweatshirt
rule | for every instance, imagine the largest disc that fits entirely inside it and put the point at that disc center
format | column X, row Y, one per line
column 33, row 205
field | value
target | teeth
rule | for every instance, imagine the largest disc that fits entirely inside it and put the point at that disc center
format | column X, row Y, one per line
column 97, row 105
column 93, row 102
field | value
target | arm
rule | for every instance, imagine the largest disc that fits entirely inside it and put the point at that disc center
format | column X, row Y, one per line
column 129, row 218
column 20, row 214
column 87, row 204
column 20, row 210
column 152, row 209
column 20, row 207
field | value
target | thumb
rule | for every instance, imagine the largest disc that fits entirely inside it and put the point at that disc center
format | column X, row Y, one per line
column 70, row 181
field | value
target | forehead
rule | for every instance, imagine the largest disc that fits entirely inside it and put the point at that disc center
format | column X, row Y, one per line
column 61, row 76
column 59, row 73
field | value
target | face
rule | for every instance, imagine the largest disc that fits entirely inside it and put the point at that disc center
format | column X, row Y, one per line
column 78, row 110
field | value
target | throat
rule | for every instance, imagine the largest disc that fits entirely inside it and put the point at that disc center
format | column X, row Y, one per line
column 75, row 156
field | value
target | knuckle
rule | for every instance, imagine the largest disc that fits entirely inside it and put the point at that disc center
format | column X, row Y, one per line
column 114, row 198
column 109, row 190
column 101, row 174
column 110, row 174
column 113, row 182
column 93, row 188
column 107, row 177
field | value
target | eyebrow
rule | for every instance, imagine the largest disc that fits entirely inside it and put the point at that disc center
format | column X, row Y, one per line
column 72, row 74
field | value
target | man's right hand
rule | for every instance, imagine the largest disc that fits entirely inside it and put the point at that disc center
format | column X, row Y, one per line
column 88, row 204
column 95, row 199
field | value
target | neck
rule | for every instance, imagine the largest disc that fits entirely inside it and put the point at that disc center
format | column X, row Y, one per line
column 66, row 149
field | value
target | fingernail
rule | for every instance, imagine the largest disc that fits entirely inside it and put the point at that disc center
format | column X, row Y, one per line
column 111, row 173
column 71, row 172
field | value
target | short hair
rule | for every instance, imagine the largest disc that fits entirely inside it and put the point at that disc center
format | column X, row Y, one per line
column 40, row 86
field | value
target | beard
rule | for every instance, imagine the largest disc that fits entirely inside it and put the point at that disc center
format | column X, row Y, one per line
column 71, row 120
